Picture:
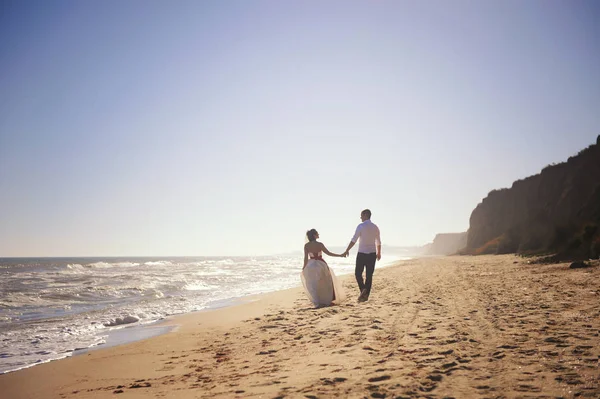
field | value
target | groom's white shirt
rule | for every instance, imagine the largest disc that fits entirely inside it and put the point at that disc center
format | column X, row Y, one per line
column 368, row 232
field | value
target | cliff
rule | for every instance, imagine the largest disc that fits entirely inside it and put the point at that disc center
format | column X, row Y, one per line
column 556, row 211
column 447, row 244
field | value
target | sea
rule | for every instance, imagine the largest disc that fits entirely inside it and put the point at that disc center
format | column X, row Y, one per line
column 51, row 308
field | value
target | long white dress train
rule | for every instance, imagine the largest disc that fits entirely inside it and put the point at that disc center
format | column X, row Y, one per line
column 320, row 282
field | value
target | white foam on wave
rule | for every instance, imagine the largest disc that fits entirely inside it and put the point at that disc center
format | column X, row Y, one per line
column 122, row 320
column 40, row 361
column 159, row 263
column 215, row 271
column 198, row 286
column 201, row 263
column 37, row 343
column 106, row 265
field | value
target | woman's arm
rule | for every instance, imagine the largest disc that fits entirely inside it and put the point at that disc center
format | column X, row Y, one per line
column 325, row 250
column 305, row 257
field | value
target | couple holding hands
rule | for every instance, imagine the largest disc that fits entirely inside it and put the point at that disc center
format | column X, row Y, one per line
column 321, row 284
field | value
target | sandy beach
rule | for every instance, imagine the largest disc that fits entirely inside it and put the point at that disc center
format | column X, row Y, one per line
column 445, row 327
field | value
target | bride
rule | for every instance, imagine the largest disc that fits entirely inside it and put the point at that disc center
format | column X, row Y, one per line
column 318, row 279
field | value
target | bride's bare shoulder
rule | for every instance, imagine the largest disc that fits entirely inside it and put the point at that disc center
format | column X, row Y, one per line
column 312, row 246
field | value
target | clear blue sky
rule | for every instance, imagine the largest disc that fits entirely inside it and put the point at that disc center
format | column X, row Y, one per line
column 232, row 127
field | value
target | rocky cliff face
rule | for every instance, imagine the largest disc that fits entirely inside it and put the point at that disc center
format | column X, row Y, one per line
column 447, row 244
column 557, row 210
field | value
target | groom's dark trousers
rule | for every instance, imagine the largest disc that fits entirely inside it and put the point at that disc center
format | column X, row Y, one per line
column 365, row 261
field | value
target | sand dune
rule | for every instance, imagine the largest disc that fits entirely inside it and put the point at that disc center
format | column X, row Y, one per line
column 461, row 327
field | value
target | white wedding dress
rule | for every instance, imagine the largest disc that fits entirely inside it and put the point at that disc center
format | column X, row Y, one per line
column 320, row 283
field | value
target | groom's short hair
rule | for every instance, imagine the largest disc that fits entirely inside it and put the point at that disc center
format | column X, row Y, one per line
column 366, row 213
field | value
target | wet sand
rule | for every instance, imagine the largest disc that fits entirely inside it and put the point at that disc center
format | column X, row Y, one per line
column 460, row 327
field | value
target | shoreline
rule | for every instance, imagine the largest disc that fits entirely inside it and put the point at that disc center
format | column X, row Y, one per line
column 138, row 332
column 128, row 333
column 434, row 327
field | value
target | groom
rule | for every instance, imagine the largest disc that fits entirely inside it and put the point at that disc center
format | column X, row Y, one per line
column 369, row 251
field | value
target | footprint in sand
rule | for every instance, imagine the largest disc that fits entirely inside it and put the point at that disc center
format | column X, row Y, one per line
column 379, row 378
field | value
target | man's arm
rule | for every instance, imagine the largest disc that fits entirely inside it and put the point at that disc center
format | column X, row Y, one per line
column 349, row 248
column 378, row 242
column 353, row 241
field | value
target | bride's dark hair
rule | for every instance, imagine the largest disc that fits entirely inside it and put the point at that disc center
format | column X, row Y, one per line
column 311, row 235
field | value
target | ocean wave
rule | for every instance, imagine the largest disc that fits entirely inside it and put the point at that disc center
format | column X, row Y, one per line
column 106, row 265
column 159, row 263
column 128, row 319
column 200, row 263
column 198, row 286
column 19, row 300
column 215, row 272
